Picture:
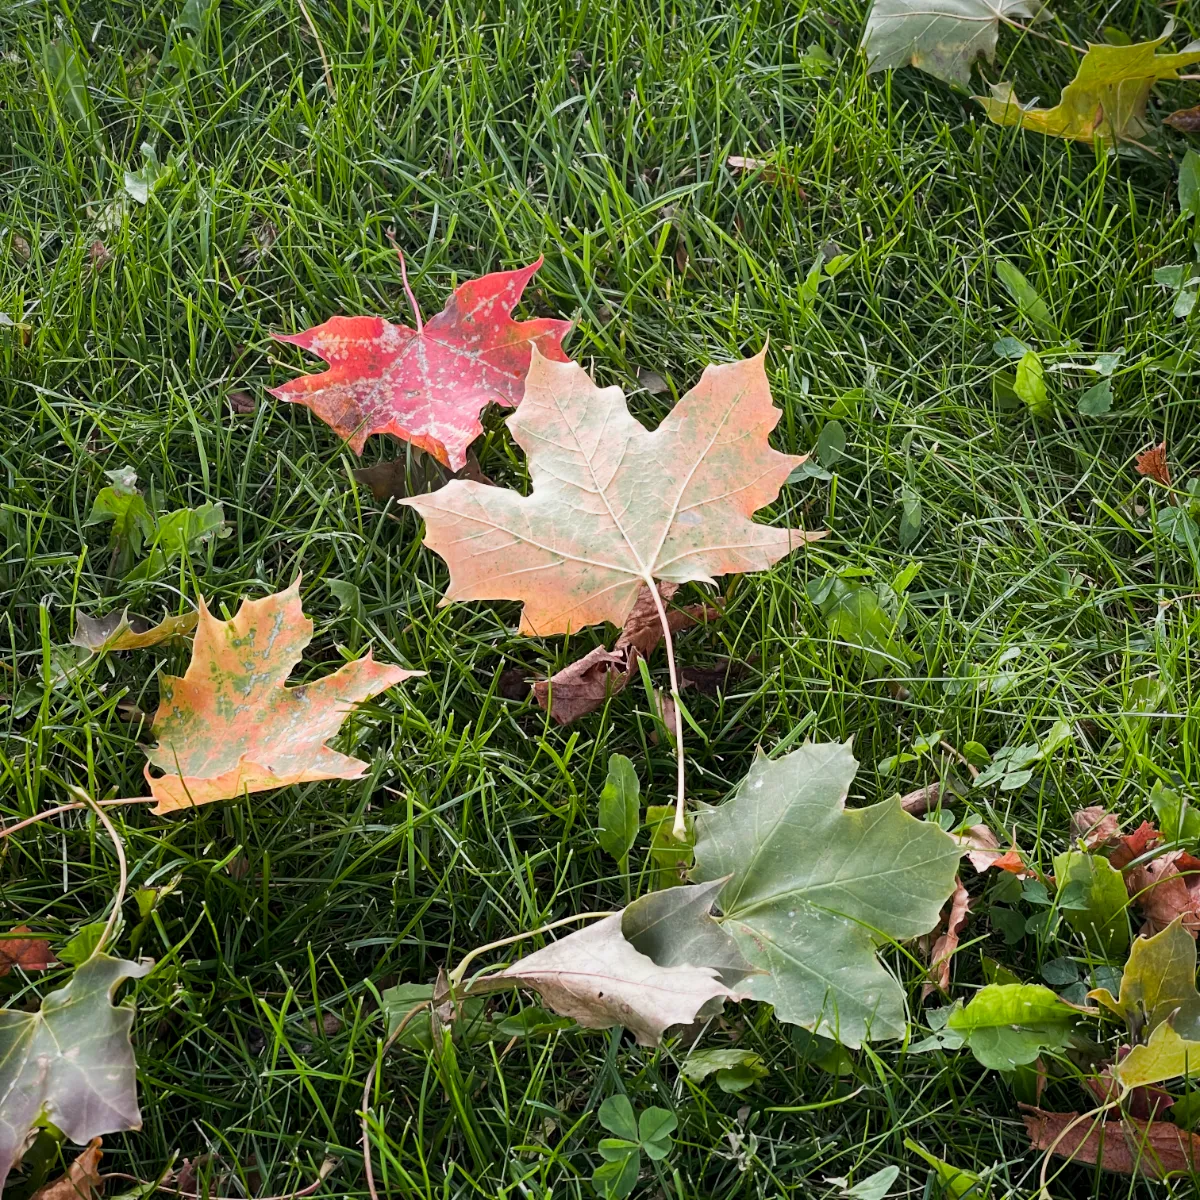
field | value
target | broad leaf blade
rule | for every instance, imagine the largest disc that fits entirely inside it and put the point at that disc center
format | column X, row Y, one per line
column 1101, row 922
column 614, row 505
column 619, row 808
column 229, row 726
column 71, row 1060
column 427, row 387
column 943, row 37
column 1105, row 102
column 815, row 887
column 120, row 631
column 1007, row 1025
column 601, row 980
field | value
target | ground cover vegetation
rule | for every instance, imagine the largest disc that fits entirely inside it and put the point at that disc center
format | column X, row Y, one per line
column 779, row 348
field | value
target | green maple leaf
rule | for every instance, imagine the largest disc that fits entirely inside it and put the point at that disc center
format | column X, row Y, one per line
column 815, row 888
column 70, row 1063
column 943, row 37
column 1105, row 102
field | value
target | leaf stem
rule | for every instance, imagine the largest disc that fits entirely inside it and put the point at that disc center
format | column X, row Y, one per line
column 404, row 275
column 679, row 829
column 456, row 976
column 17, row 826
column 119, row 846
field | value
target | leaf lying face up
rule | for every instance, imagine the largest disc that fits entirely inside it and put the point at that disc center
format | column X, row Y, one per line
column 426, row 385
column 815, row 887
column 1105, row 102
column 229, row 726
column 71, row 1061
column 615, row 507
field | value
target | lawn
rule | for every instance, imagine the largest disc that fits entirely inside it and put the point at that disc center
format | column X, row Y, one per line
column 289, row 142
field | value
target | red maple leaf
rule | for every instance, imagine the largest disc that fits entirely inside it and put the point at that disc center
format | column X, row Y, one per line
column 426, row 385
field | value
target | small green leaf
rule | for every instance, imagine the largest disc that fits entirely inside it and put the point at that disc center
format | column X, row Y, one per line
column 1097, row 400
column 854, row 615
column 1007, row 1025
column 1101, row 917
column 1060, row 972
column 831, row 445
column 1031, row 306
column 83, row 945
column 616, row 1115
column 619, row 804
column 1009, row 347
column 655, row 1127
column 1030, row 385
column 616, row 1178
column 345, row 593
column 1177, row 819
column 735, row 1069
column 955, row 1182
column 910, row 517
column 669, row 857
column 179, row 532
column 67, row 80
column 122, row 503
column 876, row 1186
column 1174, row 523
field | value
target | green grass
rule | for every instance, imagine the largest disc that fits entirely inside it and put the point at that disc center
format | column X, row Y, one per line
column 595, row 134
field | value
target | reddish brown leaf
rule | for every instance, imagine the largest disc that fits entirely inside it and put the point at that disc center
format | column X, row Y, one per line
column 426, row 385
column 1153, row 464
column 1095, row 827
column 981, row 847
column 1165, row 888
column 1186, row 120
column 1144, row 1103
column 1134, row 845
column 241, row 401
column 1126, row 1147
column 922, row 800
column 99, row 255
column 82, row 1179
column 614, row 506
column 21, row 948
column 709, row 681
column 1011, row 861
column 230, row 726
column 947, row 943
column 584, row 685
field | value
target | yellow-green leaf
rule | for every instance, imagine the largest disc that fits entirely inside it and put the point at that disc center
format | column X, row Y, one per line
column 1102, row 921
column 1105, row 102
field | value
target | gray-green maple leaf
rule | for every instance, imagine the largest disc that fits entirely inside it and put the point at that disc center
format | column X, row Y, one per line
column 815, row 888
column 71, row 1062
column 942, row 37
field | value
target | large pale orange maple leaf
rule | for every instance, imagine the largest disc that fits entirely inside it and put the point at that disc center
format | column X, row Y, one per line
column 615, row 507
column 426, row 385
column 230, row 726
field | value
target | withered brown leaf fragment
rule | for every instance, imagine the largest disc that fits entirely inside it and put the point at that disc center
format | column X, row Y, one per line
column 414, row 475
column 583, row 686
column 1154, row 1149
column 20, row 947
column 1095, row 827
column 947, row 943
column 1153, row 464
column 1186, row 120
column 1165, row 888
column 1134, row 845
column 82, row 1179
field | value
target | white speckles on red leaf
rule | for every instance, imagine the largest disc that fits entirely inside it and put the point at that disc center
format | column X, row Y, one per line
column 429, row 386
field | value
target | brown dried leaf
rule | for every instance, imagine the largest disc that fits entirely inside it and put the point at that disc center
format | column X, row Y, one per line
column 21, row 247
column 1186, row 120
column 241, row 401
column 20, row 947
column 711, row 680
column 414, row 475
column 767, row 169
column 981, row 847
column 585, row 685
column 1153, row 464
column 922, row 800
column 614, row 506
column 1167, row 887
column 99, row 255
column 1134, row 845
column 947, row 943
column 1095, row 827
column 1154, row 1149
column 82, row 1179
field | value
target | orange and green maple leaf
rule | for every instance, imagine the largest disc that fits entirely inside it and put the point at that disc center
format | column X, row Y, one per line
column 614, row 506
column 426, row 385
column 230, row 726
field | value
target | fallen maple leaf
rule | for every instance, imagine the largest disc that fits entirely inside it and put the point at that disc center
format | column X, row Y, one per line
column 1126, row 1147
column 1095, row 827
column 20, row 947
column 81, row 1180
column 947, row 942
column 1105, row 102
column 942, row 37
column 426, row 385
column 584, row 685
column 1167, row 887
column 1153, row 464
column 1134, row 845
column 616, row 508
column 120, row 631
column 229, row 726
